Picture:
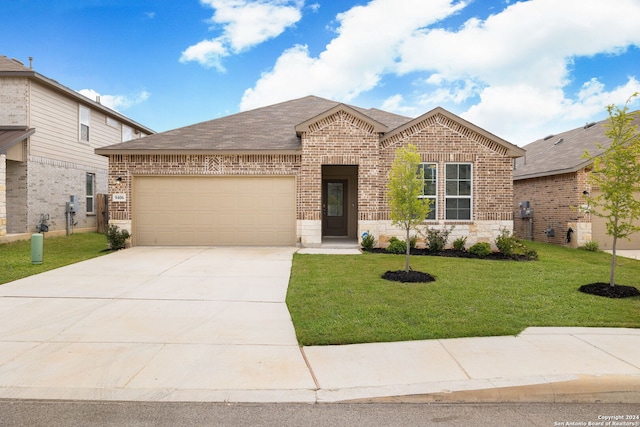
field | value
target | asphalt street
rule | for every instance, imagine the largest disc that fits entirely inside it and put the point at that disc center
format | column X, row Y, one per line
column 35, row 413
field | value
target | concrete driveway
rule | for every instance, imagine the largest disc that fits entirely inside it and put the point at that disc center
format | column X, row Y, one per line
column 155, row 324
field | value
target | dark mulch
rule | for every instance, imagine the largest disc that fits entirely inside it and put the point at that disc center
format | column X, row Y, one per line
column 454, row 254
column 605, row 290
column 410, row 276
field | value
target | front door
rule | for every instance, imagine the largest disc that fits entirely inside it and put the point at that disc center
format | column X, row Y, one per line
column 334, row 207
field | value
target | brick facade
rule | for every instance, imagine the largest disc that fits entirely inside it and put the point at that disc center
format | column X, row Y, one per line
column 127, row 167
column 342, row 138
column 39, row 173
column 555, row 200
column 3, row 196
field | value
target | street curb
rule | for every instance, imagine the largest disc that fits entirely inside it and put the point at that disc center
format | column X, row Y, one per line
column 584, row 389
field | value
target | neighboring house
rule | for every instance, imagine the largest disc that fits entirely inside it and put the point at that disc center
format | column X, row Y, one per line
column 552, row 178
column 304, row 170
column 48, row 134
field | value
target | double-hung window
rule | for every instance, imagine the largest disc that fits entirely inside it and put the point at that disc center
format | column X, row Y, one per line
column 91, row 189
column 458, row 185
column 84, row 116
column 429, row 174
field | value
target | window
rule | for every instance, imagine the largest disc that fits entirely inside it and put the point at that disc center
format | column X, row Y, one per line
column 91, row 186
column 113, row 123
column 429, row 174
column 127, row 133
column 458, row 191
column 85, row 114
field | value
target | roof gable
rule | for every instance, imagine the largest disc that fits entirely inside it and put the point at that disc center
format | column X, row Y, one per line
column 457, row 124
column 362, row 121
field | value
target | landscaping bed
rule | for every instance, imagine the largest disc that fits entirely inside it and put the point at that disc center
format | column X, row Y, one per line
column 606, row 290
column 453, row 253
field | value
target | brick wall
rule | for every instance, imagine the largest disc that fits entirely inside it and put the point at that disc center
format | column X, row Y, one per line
column 340, row 139
column 129, row 166
column 554, row 200
column 440, row 141
column 17, row 198
column 343, row 139
column 3, row 195
column 50, row 184
column 13, row 98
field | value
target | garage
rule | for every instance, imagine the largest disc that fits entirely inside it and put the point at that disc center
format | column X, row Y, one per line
column 218, row 211
column 605, row 242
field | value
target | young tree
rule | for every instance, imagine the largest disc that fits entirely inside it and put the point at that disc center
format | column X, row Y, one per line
column 616, row 173
column 403, row 189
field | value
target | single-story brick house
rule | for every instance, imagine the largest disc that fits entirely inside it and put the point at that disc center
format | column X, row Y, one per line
column 303, row 170
column 552, row 177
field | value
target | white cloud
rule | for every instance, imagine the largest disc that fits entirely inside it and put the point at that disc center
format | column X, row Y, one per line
column 245, row 23
column 116, row 102
column 508, row 73
column 353, row 62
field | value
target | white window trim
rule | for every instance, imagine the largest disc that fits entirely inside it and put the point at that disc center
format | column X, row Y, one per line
column 434, row 197
column 91, row 196
column 84, row 121
column 470, row 197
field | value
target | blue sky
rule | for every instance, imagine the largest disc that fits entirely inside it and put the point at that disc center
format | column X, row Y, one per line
column 521, row 70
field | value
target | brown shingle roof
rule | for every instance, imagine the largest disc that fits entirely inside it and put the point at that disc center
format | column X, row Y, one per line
column 270, row 128
column 12, row 65
column 562, row 153
column 11, row 135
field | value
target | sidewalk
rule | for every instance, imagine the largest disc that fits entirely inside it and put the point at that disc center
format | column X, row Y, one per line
column 541, row 365
column 211, row 324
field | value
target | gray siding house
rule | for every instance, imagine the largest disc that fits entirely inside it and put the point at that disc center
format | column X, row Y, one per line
column 48, row 134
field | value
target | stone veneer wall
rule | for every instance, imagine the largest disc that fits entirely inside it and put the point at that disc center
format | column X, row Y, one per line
column 554, row 200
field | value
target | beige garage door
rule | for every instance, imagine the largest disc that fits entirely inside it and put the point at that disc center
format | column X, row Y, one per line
column 599, row 234
column 182, row 211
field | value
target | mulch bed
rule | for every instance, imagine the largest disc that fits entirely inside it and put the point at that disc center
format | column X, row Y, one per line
column 410, row 276
column 499, row 256
column 605, row 290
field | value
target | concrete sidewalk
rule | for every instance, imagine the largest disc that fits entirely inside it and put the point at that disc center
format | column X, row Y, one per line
column 211, row 324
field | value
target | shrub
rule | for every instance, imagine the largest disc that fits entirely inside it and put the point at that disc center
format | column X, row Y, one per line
column 397, row 246
column 481, row 249
column 117, row 238
column 368, row 241
column 511, row 247
column 591, row 246
column 437, row 239
column 413, row 240
column 460, row 243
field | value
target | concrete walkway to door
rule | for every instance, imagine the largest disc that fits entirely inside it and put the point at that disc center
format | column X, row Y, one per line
column 155, row 324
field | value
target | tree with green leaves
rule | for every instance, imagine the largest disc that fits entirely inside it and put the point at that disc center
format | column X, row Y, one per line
column 408, row 211
column 616, row 173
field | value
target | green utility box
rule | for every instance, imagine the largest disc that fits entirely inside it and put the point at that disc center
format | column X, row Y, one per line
column 37, row 248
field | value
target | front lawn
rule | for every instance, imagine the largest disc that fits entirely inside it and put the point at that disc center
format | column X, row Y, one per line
column 341, row 299
column 15, row 258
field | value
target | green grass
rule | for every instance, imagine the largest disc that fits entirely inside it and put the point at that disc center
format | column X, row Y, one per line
column 15, row 257
column 341, row 299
